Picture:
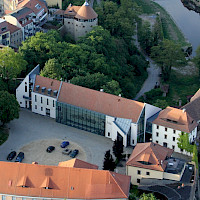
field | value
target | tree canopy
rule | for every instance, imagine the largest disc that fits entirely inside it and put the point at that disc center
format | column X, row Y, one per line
column 167, row 54
column 108, row 163
column 9, row 107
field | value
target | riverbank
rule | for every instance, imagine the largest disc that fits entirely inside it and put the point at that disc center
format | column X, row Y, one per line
column 170, row 30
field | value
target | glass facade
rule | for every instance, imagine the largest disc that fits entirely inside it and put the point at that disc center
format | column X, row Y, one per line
column 140, row 136
column 80, row 118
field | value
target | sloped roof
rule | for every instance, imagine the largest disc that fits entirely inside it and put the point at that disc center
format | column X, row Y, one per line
column 3, row 24
column 72, row 10
column 48, row 83
column 61, row 182
column 196, row 95
column 77, row 164
column 176, row 119
column 101, row 102
column 86, row 12
column 151, row 153
column 31, row 4
column 12, row 28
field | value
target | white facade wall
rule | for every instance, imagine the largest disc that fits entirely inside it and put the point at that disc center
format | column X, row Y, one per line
column 39, row 104
column 161, row 134
column 134, row 128
column 23, row 90
column 135, row 175
column 108, row 127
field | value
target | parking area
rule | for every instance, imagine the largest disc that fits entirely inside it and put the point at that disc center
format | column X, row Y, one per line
column 33, row 133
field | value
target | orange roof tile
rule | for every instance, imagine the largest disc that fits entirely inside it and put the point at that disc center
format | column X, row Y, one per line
column 101, row 102
column 72, row 10
column 61, row 182
column 48, row 83
column 86, row 12
column 77, row 164
column 151, row 153
column 176, row 119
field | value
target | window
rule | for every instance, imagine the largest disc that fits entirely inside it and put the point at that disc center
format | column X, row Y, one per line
column 41, row 99
column 68, row 22
column 53, row 103
column 36, row 107
column 13, row 198
column 157, row 141
column 174, row 131
column 173, row 147
column 157, row 127
column 174, row 138
column 157, row 134
column 165, row 129
column 3, row 197
column 138, row 180
column 148, row 173
column 181, row 150
column 164, row 144
column 35, row 98
column 165, row 136
column 138, row 172
column 41, row 108
column 25, row 86
column 3, row 29
column 133, row 141
column 47, row 101
column 108, row 134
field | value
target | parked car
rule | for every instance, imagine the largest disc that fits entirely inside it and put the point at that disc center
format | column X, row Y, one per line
column 19, row 157
column 64, row 144
column 50, row 149
column 65, row 152
column 74, row 153
column 11, row 155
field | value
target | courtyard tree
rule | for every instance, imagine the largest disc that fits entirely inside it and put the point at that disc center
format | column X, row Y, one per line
column 167, row 54
column 149, row 196
column 11, row 64
column 108, row 163
column 184, row 143
column 9, row 107
column 118, row 149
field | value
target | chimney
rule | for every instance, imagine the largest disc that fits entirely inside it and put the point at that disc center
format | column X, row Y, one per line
column 184, row 110
column 179, row 102
column 161, row 162
column 120, row 95
column 101, row 90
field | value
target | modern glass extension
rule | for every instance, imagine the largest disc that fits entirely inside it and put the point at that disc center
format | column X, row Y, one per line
column 80, row 118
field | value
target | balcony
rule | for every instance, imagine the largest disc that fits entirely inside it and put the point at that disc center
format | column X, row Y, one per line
column 27, row 98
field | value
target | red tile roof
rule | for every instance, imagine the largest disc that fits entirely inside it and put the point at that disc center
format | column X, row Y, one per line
column 77, row 164
column 48, row 83
column 32, row 180
column 2, row 25
column 151, row 153
column 176, row 119
column 12, row 28
column 101, row 102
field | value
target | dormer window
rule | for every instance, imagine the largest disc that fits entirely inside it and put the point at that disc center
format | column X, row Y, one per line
column 37, row 88
column 43, row 89
column 38, row 6
column 3, row 29
column 55, row 92
column 49, row 91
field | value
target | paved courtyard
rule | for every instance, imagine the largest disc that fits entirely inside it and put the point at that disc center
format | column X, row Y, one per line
column 33, row 133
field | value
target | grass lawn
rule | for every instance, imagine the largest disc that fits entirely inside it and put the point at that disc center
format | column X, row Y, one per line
column 4, row 133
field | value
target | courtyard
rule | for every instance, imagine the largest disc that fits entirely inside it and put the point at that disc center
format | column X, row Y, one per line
column 33, row 133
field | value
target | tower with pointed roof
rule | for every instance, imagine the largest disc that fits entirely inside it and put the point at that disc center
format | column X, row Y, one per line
column 79, row 20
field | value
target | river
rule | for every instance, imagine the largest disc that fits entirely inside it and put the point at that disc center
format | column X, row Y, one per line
column 188, row 21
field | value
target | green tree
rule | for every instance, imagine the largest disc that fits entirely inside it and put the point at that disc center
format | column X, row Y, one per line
column 167, row 54
column 184, row 143
column 149, row 196
column 11, row 64
column 93, row 81
column 112, row 87
column 9, row 107
column 161, row 103
column 195, row 155
column 52, row 69
column 118, row 149
column 157, row 32
column 108, row 163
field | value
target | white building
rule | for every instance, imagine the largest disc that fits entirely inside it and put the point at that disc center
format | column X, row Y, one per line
column 170, row 124
column 80, row 20
column 108, row 115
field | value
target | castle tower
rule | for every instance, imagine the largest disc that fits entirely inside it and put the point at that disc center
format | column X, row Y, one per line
column 79, row 20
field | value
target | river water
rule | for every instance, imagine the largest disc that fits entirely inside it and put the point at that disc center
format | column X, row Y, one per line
column 188, row 21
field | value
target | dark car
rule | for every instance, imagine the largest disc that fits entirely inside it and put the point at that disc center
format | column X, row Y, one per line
column 64, row 144
column 19, row 157
column 50, row 149
column 11, row 155
column 74, row 153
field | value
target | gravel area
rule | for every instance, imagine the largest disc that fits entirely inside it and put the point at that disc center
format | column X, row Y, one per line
column 36, row 151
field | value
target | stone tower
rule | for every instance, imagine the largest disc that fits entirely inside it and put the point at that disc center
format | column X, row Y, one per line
column 79, row 20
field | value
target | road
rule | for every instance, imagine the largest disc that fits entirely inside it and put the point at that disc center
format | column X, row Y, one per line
column 153, row 72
